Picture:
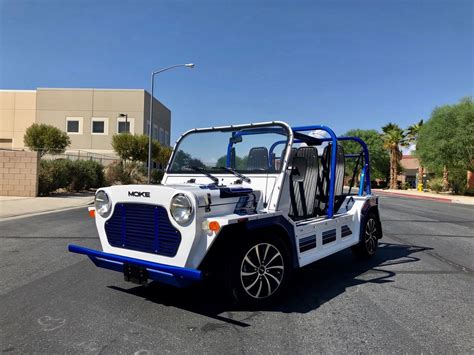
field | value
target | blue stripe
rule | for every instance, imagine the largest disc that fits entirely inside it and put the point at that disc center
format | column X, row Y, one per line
column 157, row 232
column 124, row 224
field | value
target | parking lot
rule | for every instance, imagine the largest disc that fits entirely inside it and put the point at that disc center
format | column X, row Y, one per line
column 415, row 296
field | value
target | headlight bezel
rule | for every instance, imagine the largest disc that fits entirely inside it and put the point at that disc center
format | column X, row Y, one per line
column 102, row 198
column 175, row 210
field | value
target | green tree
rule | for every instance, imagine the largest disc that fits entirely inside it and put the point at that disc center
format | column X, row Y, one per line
column 183, row 160
column 240, row 163
column 164, row 155
column 413, row 131
column 394, row 138
column 446, row 142
column 379, row 157
column 135, row 148
column 46, row 139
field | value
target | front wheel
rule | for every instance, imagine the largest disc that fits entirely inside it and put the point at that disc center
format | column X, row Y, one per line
column 369, row 240
column 259, row 270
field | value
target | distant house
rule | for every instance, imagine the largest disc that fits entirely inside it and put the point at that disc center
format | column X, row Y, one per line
column 409, row 164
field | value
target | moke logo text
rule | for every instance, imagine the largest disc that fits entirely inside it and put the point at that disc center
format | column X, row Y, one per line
column 139, row 194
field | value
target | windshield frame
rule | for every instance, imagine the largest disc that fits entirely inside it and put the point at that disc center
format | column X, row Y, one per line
column 230, row 128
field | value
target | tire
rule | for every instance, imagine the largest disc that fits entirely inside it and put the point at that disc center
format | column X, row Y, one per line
column 369, row 238
column 259, row 270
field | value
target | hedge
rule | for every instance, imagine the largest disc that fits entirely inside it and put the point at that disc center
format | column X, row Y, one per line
column 70, row 175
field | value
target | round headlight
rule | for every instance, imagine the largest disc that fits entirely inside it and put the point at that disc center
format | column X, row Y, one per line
column 181, row 209
column 103, row 205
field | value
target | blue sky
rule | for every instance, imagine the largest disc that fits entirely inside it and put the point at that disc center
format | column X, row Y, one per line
column 347, row 64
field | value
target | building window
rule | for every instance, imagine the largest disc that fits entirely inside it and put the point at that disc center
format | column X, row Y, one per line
column 74, row 125
column 147, row 127
column 167, row 138
column 155, row 132
column 125, row 126
column 162, row 135
column 99, row 125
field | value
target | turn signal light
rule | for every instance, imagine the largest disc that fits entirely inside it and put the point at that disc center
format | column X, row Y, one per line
column 92, row 213
column 214, row 226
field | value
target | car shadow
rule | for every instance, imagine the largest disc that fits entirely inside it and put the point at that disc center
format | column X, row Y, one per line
column 309, row 288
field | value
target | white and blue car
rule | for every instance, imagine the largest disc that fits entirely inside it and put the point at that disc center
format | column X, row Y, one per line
column 245, row 204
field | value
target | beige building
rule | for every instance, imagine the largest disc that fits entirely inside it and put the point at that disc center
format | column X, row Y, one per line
column 89, row 116
column 17, row 113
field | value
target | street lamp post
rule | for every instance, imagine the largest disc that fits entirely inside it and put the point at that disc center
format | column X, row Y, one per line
column 126, row 121
column 150, row 123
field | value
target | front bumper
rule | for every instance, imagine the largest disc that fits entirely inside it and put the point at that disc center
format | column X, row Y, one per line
column 172, row 275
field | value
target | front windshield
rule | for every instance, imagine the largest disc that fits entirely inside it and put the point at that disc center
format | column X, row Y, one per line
column 247, row 150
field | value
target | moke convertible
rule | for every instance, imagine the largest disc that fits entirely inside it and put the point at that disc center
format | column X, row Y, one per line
column 246, row 204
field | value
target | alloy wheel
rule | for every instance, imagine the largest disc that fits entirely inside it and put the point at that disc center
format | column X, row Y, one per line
column 371, row 236
column 262, row 270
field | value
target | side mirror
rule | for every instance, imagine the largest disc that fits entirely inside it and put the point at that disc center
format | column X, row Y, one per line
column 298, row 169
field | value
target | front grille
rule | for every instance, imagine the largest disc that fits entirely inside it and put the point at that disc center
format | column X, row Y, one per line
column 142, row 227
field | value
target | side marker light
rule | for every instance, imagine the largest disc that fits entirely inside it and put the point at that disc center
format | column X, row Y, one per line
column 214, row 226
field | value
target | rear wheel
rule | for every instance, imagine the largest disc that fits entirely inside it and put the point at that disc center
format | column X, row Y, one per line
column 369, row 240
column 260, row 270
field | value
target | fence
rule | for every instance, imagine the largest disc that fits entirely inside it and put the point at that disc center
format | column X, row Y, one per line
column 83, row 155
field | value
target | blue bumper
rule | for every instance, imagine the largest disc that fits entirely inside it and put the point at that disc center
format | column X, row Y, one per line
column 172, row 275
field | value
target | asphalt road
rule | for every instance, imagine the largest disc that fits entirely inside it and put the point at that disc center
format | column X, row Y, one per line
column 415, row 296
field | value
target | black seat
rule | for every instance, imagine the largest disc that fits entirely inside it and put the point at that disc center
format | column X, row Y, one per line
column 258, row 159
column 303, row 191
column 322, row 194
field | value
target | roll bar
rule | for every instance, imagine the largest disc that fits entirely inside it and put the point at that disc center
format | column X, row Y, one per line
column 299, row 138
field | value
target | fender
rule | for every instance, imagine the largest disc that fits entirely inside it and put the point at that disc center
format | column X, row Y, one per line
column 281, row 225
column 371, row 205
column 229, row 236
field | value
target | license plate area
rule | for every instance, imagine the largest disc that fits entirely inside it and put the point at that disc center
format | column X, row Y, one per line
column 135, row 274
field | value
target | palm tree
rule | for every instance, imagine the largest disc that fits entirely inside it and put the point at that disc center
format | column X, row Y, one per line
column 393, row 139
column 412, row 135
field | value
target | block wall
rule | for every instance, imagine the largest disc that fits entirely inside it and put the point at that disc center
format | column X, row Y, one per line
column 19, row 173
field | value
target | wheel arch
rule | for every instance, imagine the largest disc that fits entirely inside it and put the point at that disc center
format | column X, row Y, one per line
column 371, row 206
column 231, row 234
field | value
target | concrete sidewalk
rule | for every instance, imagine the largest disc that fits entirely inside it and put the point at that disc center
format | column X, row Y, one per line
column 442, row 197
column 11, row 206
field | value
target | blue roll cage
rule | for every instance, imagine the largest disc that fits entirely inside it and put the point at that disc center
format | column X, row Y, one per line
column 365, row 171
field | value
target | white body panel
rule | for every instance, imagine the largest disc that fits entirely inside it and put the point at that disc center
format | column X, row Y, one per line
column 318, row 226
column 272, row 196
column 196, row 241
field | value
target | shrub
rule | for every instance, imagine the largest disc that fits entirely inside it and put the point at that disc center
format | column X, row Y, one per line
column 53, row 175
column 458, row 180
column 114, row 174
column 406, row 186
column 436, row 184
column 156, row 176
column 86, row 174
column 66, row 174
column 126, row 173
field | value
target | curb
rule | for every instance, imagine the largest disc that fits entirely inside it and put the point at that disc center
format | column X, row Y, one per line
column 9, row 218
column 431, row 198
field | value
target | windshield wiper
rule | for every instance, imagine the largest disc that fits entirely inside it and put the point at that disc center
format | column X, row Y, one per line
column 205, row 172
column 236, row 173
